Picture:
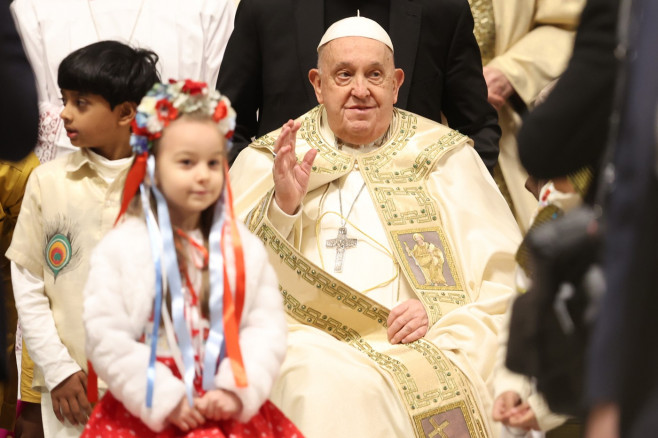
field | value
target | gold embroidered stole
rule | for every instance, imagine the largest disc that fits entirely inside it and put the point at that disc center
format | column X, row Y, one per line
column 438, row 396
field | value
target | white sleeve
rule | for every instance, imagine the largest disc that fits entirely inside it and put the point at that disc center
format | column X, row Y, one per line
column 218, row 20
column 118, row 301
column 281, row 220
column 27, row 24
column 39, row 330
column 263, row 332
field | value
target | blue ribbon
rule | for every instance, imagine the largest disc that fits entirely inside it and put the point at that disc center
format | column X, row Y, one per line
column 155, row 251
column 215, row 345
column 173, row 276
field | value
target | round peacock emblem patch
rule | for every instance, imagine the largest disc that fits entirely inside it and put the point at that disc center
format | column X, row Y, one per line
column 58, row 253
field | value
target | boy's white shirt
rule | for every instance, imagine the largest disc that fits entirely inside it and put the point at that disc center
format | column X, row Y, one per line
column 97, row 197
column 55, row 359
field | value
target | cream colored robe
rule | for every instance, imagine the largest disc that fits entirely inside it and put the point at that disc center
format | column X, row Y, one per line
column 534, row 40
column 329, row 388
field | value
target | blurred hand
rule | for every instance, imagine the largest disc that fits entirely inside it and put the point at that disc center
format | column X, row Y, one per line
column 534, row 185
column 185, row 417
column 603, row 421
column 523, row 417
column 407, row 322
column 219, row 405
column 28, row 423
column 512, row 412
column 504, row 404
column 498, row 86
column 290, row 177
column 70, row 399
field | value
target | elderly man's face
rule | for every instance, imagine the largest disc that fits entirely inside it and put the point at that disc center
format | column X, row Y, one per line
column 358, row 85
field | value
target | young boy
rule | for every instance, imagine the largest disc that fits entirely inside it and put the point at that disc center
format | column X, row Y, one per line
column 68, row 206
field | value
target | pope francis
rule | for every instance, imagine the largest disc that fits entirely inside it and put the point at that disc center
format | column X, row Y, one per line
column 337, row 196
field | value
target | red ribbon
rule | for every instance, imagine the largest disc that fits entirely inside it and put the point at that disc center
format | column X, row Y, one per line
column 133, row 180
column 233, row 310
column 92, row 384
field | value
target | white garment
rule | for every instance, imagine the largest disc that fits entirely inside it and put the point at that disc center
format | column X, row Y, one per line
column 189, row 36
column 73, row 197
column 31, row 288
column 52, row 428
column 324, row 379
column 117, row 311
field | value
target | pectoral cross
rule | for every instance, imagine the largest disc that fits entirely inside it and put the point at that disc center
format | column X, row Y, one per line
column 341, row 243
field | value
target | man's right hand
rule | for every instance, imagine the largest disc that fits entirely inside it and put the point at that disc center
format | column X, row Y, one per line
column 70, row 399
column 290, row 177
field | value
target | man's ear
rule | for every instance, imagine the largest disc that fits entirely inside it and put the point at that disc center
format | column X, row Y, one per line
column 398, row 79
column 127, row 112
column 316, row 81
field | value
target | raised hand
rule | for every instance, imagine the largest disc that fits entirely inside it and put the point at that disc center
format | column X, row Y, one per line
column 407, row 322
column 185, row 417
column 70, row 399
column 290, row 177
column 219, row 405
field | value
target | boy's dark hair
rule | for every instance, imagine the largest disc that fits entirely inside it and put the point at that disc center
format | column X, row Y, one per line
column 111, row 69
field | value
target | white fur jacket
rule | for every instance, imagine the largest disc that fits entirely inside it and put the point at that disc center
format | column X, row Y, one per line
column 118, row 303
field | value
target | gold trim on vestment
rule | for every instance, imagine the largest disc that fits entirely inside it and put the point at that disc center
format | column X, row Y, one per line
column 426, row 380
column 484, row 28
column 430, row 386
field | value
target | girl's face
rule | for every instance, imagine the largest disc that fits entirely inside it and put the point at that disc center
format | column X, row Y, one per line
column 190, row 169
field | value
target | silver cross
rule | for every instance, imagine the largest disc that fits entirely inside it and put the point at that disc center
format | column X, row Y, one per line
column 341, row 243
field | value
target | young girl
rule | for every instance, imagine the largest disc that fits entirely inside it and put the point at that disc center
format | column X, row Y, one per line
column 188, row 338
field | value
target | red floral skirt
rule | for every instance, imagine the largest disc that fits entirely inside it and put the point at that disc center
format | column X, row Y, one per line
column 111, row 419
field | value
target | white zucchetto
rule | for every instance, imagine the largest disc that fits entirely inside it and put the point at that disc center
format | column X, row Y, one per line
column 356, row 27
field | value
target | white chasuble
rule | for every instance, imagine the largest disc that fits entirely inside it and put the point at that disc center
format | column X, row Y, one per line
column 430, row 224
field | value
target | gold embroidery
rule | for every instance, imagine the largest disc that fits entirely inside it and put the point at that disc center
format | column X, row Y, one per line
column 265, row 141
column 257, row 214
column 328, row 160
column 320, row 279
column 396, row 176
column 438, row 429
column 386, row 197
column 317, row 299
column 376, row 165
column 453, row 419
column 484, row 28
column 452, row 383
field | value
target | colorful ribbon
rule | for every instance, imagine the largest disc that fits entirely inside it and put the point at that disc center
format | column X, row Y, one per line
column 225, row 306
column 170, row 262
column 233, row 310
column 215, row 344
column 134, row 181
column 157, row 307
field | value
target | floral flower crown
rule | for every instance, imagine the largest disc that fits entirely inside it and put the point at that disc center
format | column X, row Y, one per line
column 164, row 103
